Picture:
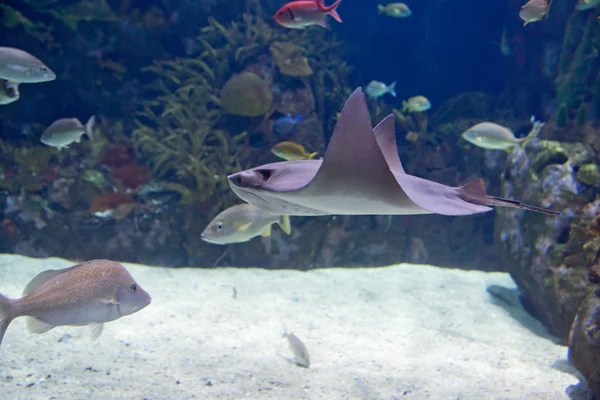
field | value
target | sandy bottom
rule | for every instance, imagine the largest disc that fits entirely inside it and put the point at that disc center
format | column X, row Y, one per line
column 402, row 332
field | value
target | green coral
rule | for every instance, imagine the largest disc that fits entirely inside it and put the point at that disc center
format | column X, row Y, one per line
column 576, row 61
column 562, row 116
column 588, row 174
column 246, row 94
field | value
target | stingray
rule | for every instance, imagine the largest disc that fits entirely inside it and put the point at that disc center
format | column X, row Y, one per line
column 360, row 174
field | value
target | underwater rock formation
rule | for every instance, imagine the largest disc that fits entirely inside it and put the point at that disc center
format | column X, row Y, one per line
column 543, row 255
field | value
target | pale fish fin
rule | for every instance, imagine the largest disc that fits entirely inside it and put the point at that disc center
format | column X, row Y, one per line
column 323, row 22
column 266, row 232
column 89, row 127
column 310, row 156
column 284, row 223
column 96, row 330
column 36, row 326
column 535, row 131
column 5, row 315
column 40, row 279
column 110, row 301
column 404, row 106
column 392, row 89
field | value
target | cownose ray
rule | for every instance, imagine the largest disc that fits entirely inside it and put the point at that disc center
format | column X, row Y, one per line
column 360, row 174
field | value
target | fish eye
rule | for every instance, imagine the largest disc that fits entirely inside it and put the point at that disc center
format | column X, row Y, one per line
column 133, row 288
column 220, row 225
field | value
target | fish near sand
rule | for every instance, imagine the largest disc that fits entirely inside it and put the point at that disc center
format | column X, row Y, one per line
column 534, row 10
column 241, row 223
column 63, row 132
column 302, row 13
column 291, row 151
column 301, row 356
column 360, row 174
column 491, row 136
column 21, row 67
column 90, row 293
column 583, row 5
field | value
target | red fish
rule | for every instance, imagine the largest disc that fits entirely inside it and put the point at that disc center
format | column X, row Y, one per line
column 302, row 13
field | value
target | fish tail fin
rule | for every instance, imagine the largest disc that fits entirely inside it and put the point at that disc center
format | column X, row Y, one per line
column 331, row 10
column 311, row 155
column 298, row 117
column 380, row 8
column 5, row 315
column 89, row 127
column 474, row 192
column 284, row 224
column 392, row 89
column 404, row 106
column 535, row 131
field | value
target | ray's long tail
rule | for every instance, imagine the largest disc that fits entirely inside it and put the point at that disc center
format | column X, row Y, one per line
column 474, row 192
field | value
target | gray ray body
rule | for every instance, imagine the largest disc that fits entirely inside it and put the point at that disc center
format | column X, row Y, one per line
column 360, row 174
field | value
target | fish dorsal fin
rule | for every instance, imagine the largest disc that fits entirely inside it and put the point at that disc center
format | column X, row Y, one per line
column 266, row 232
column 40, row 279
column 352, row 151
column 385, row 135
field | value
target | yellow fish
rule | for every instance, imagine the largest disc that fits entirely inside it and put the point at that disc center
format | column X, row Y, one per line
column 291, row 151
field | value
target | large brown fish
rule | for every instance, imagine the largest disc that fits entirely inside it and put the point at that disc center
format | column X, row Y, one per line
column 89, row 293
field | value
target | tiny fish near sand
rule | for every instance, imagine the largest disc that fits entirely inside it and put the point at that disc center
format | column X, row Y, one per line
column 90, row 293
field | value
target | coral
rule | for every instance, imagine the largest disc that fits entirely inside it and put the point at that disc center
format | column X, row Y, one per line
column 581, row 116
column 588, row 174
column 246, row 94
column 132, row 176
column 562, row 116
column 574, row 69
column 289, row 59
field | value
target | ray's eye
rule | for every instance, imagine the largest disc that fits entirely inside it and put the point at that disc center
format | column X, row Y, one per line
column 238, row 181
column 133, row 288
column 220, row 226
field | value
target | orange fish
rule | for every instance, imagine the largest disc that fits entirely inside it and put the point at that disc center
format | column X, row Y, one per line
column 302, row 13
column 534, row 11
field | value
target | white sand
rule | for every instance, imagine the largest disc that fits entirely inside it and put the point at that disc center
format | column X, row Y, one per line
column 403, row 332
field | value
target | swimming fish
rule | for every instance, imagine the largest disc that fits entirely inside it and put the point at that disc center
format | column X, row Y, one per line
column 491, row 136
column 416, row 104
column 291, row 151
column 504, row 42
column 534, row 10
column 301, row 356
column 360, row 174
column 90, row 293
column 19, row 66
column 285, row 126
column 241, row 223
column 9, row 92
column 586, row 4
column 376, row 89
column 65, row 131
column 397, row 10
column 302, row 13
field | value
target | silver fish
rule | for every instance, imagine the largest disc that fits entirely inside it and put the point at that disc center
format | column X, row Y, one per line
column 491, row 136
column 241, row 223
column 90, row 293
column 19, row 66
column 376, row 89
column 9, row 92
column 65, row 131
column 301, row 356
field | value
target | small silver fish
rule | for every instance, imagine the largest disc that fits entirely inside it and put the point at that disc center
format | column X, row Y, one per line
column 397, row 10
column 65, row 131
column 241, row 223
column 583, row 5
column 19, row 66
column 534, row 10
column 491, row 136
column 376, row 89
column 9, row 92
column 90, row 293
column 301, row 356
column 416, row 104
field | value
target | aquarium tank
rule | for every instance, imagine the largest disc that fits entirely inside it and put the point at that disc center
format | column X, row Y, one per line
column 308, row 199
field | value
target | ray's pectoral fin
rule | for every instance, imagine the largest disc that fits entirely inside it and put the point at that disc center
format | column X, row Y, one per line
column 474, row 192
column 352, row 150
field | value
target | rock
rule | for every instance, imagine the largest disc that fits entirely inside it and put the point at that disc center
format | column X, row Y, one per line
column 544, row 254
